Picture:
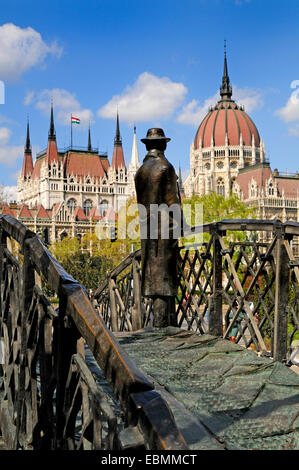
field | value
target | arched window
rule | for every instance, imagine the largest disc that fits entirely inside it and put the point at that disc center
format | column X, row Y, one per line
column 103, row 208
column 87, row 207
column 271, row 189
column 220, row 187
column 232, row 182
column 63, row 235
column 71, row 204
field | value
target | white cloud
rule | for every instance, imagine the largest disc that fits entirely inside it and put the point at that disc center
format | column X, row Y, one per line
column 64, row 102
column 290, row 112
column 8, row 193
column 149, row 98
column 252, row 99
column 10, row 153
column 5, row 134
column 21, row 49
column 29, row 98
column 193, row 112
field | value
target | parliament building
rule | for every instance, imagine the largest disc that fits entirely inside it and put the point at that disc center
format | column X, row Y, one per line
column 228, row 155
column 68, row 192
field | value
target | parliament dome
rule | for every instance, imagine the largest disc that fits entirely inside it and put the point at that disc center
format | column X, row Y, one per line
column 226, row 123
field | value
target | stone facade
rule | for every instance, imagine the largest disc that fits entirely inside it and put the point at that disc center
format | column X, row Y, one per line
column 67, row 192
column 228, row 155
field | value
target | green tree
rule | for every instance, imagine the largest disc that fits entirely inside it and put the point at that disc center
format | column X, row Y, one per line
column 216, row 207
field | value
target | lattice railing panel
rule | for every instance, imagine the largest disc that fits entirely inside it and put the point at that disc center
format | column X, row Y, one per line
column 119, row 301
column 90, row 421
column 48, row 397
column 10, row 334
column 195, row 287
column 253, row 264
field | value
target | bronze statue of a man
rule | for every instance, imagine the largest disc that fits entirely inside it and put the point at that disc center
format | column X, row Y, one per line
column 156, row 185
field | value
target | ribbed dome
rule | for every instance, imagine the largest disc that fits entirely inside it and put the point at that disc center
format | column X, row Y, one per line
column 226, row 118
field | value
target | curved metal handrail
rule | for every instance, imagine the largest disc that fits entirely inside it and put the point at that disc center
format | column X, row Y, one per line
column 212, row 276
column 290, row 228
column 116, row 271
column 134, row 391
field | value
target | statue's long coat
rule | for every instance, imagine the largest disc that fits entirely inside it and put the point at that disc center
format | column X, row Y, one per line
column 156, row 183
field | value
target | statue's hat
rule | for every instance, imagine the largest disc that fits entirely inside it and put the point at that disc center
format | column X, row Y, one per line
column 155, row 134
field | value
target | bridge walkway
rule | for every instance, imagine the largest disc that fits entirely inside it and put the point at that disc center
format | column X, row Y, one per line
column 222, row 395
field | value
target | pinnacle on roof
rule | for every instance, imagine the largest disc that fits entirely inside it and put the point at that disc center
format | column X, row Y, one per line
column 225, row 89
column 118, row 156
column 52, row 134
column 117, row 138
column 27, row 145
column 89, row 147
column 180, row 179
column 135, row 162
column 27, row 168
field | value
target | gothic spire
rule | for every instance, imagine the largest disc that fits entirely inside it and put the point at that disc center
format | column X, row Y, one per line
column 226, row 89
column 180, row 182
column 117, row 138
column 28, row 145
column 52, row 134
column 89, row 147
column 118, row 155
column 27, row 168
column 134, row 163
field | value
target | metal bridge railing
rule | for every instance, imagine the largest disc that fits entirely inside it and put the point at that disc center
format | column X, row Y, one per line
column 262, row 277
column 48, row 397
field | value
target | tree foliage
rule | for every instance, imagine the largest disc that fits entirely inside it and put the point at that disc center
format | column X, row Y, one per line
column 91, row 259
column 216, row 207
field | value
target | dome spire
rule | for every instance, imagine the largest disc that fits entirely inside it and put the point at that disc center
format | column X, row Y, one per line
column 226, row 89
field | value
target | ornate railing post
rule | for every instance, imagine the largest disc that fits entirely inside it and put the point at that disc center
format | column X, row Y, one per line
column 27, row 281
column 66, row 344
column 2, row 246
column 215, row 312
column 137, row 320
column 281, row 297
column 113, row 309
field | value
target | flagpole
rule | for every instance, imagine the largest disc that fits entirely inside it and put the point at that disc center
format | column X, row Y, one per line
column 71, row 133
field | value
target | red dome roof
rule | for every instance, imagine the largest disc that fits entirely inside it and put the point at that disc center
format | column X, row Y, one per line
column 226, row 117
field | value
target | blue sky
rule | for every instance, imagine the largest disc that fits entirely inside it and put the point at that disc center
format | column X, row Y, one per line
column 160, row 62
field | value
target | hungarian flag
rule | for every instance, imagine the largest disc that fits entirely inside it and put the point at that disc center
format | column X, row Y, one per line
column 75, row 120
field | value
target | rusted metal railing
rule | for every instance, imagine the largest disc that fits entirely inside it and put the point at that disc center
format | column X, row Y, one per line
column 262, row 277
column 48, row 397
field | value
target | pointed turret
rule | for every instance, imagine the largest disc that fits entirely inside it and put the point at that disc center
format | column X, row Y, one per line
column 52, row 155
column 226, row 89
column 27, row 145
column 27, row 168
column 180, row 183
column 118, row 155
column 117, row 138
column 52, row 134
column 135, row 162
column 89, row 147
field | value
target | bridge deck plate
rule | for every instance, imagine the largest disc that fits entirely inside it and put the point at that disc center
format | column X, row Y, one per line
column 244, row 401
